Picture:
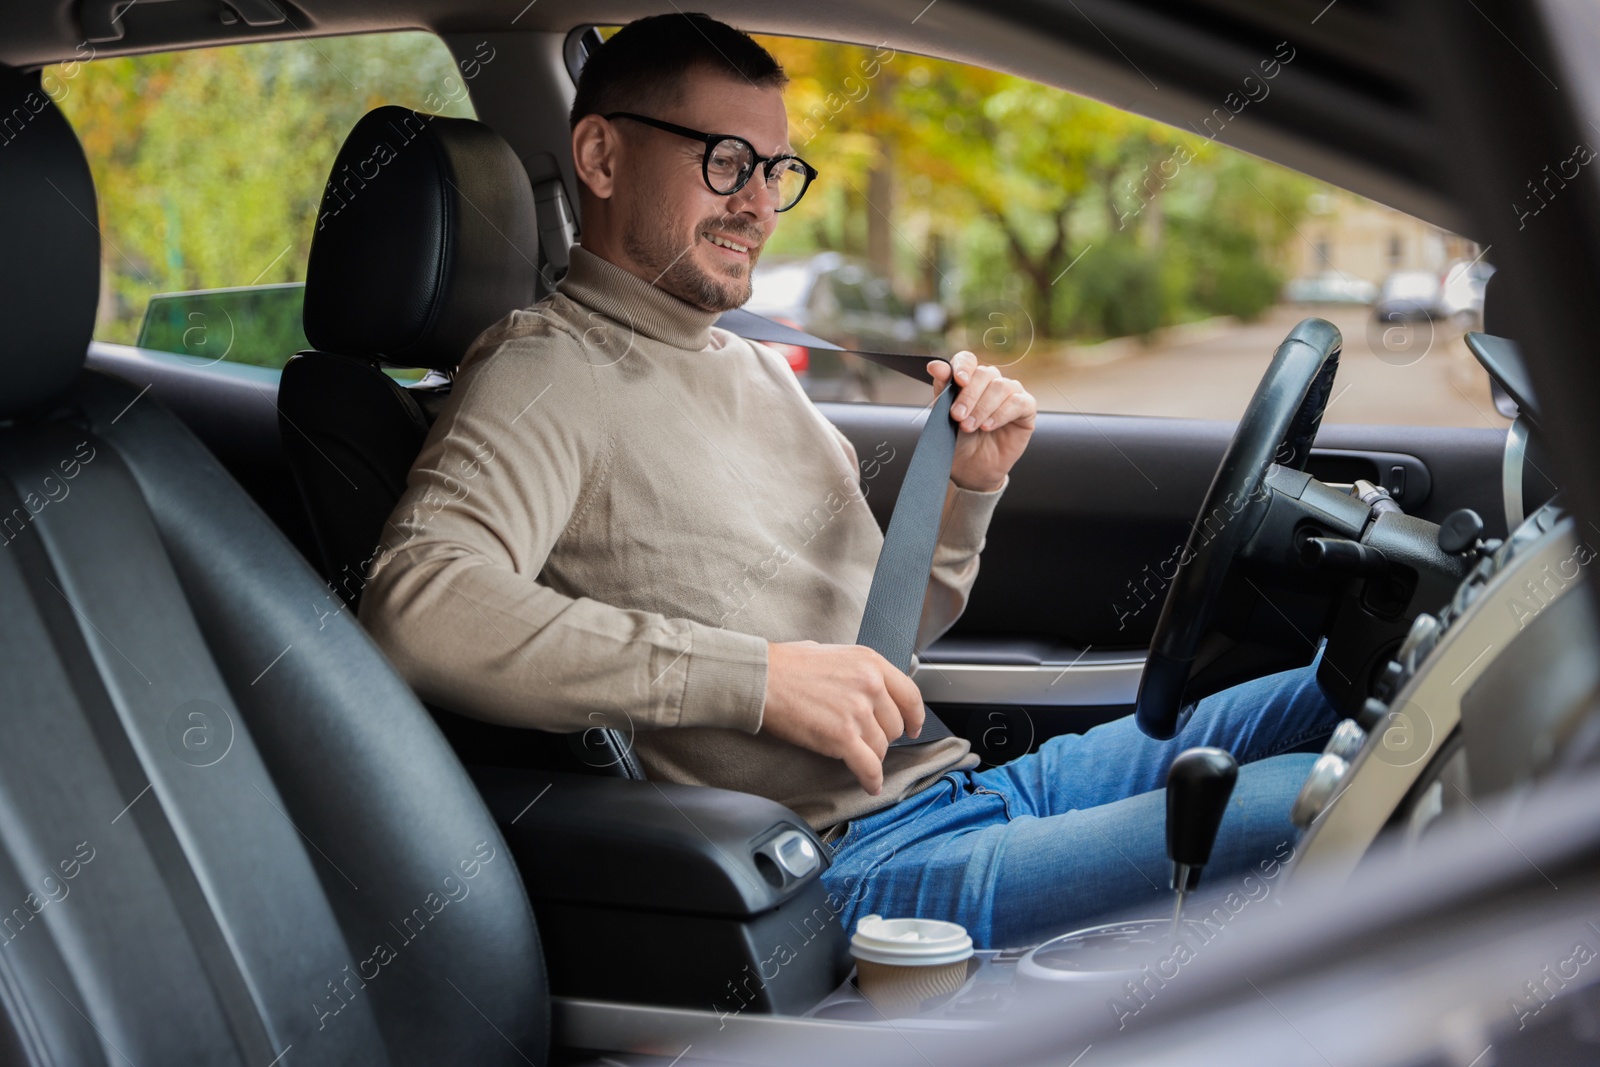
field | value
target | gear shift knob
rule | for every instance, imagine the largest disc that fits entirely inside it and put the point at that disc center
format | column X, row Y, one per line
column 1199, row 784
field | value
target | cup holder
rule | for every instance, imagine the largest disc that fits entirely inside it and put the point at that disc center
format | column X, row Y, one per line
column 1112, row 953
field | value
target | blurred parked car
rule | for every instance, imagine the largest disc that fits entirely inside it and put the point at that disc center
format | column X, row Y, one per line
column 847, row 302
column 1453, row 296
column 1330, row 287
column 1409, row 296
column 1461, row 294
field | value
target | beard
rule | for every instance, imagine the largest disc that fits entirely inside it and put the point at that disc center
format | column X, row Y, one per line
column 675, row 268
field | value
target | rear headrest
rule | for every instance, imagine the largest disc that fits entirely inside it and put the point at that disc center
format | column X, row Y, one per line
column 426, row 236
column 50, row 272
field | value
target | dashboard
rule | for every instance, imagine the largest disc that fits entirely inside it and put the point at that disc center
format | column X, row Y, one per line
column 1485, row 694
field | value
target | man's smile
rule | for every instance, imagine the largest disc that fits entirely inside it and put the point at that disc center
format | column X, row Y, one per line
column 734, row 248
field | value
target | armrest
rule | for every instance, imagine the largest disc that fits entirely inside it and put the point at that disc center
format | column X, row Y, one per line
column 723, row 886
column 655, row 846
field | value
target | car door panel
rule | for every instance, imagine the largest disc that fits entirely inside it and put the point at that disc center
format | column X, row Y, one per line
column 1071, row 583
column 1094, row 508
column 1053, row 637
column 1099, row 504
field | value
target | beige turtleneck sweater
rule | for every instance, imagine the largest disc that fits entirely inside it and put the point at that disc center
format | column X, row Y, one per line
column 616, row 510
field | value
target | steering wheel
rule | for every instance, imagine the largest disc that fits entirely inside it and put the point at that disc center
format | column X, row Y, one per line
column 1278, row 426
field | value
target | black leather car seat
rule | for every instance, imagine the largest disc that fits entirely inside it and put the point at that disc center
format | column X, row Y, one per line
column 231, row 834
column 426, row 236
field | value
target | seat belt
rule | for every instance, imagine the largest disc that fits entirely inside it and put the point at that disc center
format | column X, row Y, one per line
column 893, row 613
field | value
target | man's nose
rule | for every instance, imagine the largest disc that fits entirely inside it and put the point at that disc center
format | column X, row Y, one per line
column 755, row 199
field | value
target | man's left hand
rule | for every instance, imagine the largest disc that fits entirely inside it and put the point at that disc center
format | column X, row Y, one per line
column 995, row 415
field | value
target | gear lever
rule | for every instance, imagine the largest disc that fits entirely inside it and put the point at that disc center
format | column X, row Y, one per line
column 1199, row 784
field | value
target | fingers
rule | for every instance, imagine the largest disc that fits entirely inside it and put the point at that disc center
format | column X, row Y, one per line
column 983, row 389
column 1004, row 401
column 958, row 366
column 906, row 696
column 984, row 383
column 890, row 721
column 986, row 399
column 897, row 709
column 963, row 363
column 866, row 765
column 845, row 702
column 1018, row 406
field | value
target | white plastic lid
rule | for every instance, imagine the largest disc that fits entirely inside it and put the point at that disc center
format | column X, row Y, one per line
column 910, row 942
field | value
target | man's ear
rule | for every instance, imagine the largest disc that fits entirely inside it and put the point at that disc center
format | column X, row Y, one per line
column 595, row 150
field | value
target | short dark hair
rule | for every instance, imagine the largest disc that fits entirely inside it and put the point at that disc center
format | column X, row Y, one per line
column 642, row 66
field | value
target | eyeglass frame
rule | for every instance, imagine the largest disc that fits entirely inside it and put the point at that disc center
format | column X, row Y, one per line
column 711, row 140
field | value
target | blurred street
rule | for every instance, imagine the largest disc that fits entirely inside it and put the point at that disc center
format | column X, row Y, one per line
column 1209, row 370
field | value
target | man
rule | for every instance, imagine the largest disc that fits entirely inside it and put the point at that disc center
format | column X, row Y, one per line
column 625, row 517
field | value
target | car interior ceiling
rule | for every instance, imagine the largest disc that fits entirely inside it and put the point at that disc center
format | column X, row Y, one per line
column 220, row 588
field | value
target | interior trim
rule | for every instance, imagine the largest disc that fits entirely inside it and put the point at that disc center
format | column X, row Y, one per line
column 1516, row 458
column 1089, row 679
column 748, row 1038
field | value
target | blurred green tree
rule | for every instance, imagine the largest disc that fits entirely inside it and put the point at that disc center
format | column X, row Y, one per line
column 1098, row 222
column 209, row 164
column 962, row 184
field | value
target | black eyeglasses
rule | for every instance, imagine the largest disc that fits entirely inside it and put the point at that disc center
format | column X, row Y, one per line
column 730, row 161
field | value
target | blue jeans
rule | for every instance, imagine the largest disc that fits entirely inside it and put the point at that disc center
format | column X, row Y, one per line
column 1077, row 829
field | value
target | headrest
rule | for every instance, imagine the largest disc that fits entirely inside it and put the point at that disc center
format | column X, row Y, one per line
column 1496, row 306
column 426, row 236
column 50, row 273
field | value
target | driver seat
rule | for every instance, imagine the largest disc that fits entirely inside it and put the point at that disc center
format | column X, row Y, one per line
column 229, row 833
column 409, row 263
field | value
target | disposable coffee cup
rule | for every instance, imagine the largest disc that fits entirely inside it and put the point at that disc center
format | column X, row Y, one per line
column 900, row 963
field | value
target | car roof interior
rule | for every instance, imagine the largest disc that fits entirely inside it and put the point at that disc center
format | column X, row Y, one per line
column 1357, row 124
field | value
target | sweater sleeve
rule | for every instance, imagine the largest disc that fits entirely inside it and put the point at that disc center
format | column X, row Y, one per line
column 962, row 529
column 963, row 524
column 455, row 601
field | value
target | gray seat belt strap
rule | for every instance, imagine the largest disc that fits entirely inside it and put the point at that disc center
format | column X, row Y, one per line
column 893, row 613
column 900, row 581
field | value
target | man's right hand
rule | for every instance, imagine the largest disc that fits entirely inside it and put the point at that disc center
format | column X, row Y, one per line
column 844, row 701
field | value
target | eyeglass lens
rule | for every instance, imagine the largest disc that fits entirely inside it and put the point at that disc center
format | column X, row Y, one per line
column 731, row 162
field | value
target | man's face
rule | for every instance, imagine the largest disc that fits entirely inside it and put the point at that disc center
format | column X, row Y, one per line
column 674, row 226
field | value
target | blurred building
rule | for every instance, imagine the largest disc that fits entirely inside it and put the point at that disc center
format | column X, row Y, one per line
column 1365, row 240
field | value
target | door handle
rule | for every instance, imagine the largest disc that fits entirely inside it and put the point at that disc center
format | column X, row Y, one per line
column 1405, row 476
